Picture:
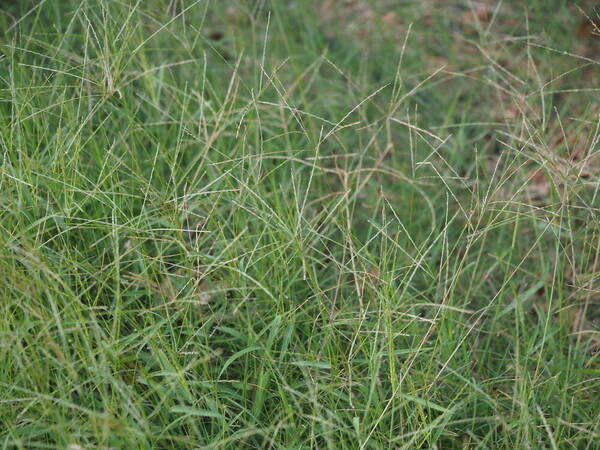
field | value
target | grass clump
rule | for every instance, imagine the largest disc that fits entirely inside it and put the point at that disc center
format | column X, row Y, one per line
column 336, row 224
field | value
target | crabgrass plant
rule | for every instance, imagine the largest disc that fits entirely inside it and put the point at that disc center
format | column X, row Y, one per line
column 265, row 224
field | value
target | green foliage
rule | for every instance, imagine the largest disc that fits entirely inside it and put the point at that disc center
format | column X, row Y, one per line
column 257, row 224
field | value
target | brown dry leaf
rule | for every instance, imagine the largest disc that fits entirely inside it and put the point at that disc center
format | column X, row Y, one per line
column 511, row 112
column 391, row 19
column 215, row 35
column 588, row 28
column 480, row 12
column 374, row 273
column 588, row 32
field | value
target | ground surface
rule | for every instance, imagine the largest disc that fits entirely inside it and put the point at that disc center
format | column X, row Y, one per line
column 297, row 224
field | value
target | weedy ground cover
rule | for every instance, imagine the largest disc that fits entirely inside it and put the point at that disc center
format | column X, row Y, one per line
column 279, row 224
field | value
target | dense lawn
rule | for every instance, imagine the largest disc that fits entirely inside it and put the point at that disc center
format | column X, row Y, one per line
column 299, row 224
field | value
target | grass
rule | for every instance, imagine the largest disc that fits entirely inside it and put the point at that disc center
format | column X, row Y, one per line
column 271, row 224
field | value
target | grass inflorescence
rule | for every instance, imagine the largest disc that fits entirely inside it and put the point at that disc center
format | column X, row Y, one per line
column 279, row 224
